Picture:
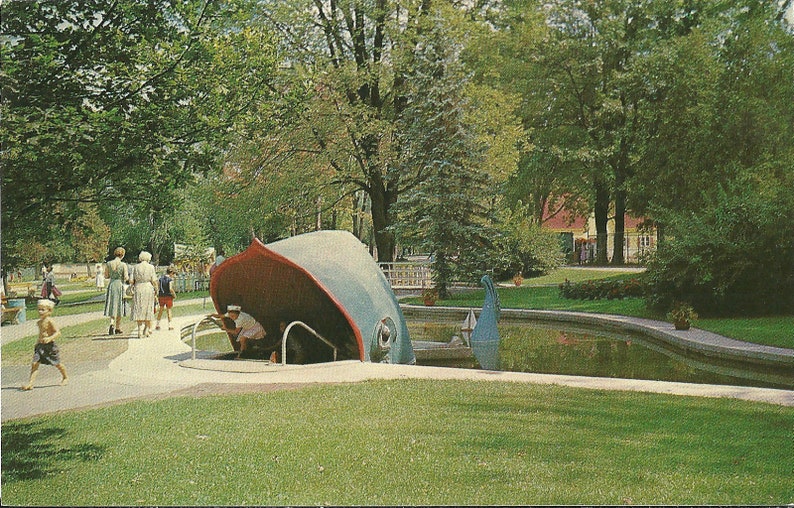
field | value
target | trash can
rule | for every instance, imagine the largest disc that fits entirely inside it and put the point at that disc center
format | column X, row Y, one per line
column 18, row 302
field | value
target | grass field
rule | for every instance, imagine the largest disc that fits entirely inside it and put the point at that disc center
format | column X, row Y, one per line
column 406, row 442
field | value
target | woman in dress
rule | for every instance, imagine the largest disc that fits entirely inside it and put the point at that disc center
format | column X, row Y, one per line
column 100, row 278
column 118, row 273
column 144, row 280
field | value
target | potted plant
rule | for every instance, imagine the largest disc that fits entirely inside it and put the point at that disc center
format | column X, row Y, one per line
column 518, row 279
column 682, row 315
column 430, row 295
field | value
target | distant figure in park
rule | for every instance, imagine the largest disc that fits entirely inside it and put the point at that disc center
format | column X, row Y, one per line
column 246, row 327
column 118, row 274
column 219, row 258
column 46, row 351
column 49, row 283
column 100, row 278
column 144, row 281
column 583, row 254
column 165, row 296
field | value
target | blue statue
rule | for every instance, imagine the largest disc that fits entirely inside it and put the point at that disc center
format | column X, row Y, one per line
column 485, row 337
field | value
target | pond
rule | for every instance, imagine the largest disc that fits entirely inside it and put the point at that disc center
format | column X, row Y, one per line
column 549, row 348
column 565, row 349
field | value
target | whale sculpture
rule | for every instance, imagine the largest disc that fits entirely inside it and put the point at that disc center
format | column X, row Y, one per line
column 326, row 280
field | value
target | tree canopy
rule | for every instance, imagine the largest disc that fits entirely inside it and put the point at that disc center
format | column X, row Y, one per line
column 146, row 123
column 116, row 103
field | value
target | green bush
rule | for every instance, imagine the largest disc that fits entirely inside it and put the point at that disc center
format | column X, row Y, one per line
column 602, row 289
column 733, row 259
column 525, row 247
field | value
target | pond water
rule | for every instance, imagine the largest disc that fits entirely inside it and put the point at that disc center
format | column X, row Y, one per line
column 563, row 349
column 531, row 346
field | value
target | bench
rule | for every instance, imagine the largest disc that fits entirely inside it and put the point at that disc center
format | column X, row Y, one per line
column 11, row 314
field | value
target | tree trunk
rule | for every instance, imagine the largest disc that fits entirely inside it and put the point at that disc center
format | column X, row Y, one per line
column 381, row 220
column 601, row 217
column 618, row 257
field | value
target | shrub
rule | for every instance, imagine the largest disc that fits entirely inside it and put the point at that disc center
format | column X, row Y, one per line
column 602, row 289
column 524, row 247
column 733, row 259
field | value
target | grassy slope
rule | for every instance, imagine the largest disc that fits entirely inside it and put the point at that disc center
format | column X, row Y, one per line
column 406, row 442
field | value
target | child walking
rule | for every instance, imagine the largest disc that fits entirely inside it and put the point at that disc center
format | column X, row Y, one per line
column 165, row 296
column 46, row 351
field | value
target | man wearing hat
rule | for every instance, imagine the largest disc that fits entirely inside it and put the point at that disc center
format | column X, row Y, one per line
column 246, row 327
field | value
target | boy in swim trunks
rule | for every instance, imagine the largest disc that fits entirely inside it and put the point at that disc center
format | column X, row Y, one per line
column 46, row 351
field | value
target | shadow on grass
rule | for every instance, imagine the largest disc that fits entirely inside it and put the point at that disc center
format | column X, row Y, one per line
column 33, row 451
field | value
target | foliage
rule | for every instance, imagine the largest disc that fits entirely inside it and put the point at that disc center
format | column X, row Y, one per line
column 714, row 257
column 117, row 104
column 523, row 246
column 597, row 289
column 89, row 235
column 715, row 108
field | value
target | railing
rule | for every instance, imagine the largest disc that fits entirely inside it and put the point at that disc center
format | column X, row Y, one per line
column 210, row 324
column 407, row 274
column 189, row 282
column 206, row 324
column 307, row 328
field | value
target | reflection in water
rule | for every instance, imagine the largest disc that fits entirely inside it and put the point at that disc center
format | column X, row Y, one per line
column 541, row 348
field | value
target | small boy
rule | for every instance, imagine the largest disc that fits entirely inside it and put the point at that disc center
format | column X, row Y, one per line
column 46, row 351
column 165, row 296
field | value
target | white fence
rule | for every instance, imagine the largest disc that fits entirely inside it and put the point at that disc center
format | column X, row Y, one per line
column 407, row 274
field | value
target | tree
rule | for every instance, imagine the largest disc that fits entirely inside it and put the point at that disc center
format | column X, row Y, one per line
column 89, row 235
column 447, row 212
column 717, row 110
column 113, row 102
column 719, row 142
column 575, row 65
column 503, row 55
column 359, row 57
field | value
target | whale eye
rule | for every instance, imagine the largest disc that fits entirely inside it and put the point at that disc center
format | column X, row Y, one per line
column 385, row 332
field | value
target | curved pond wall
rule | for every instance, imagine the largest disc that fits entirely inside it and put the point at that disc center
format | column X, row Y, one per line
column 694, row 340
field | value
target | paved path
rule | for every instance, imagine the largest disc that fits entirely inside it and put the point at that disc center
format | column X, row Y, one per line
column 161, row 365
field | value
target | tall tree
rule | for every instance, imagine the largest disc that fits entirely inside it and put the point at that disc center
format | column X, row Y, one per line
column 359, row 57
column 447, row 211
column 718, row 110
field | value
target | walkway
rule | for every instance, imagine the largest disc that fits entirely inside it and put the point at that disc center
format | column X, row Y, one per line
column 160, row 365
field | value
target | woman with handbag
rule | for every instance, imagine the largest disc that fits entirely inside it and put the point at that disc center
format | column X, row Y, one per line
column 118, row 273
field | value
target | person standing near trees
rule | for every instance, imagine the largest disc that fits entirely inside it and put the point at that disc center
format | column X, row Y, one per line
column 99, row 278
column 144, row 281
column 118, row 273
column 49, row 282
column 165, row 296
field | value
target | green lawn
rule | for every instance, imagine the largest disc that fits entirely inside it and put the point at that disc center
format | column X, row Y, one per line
column 577, row 275
column 406, row 442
